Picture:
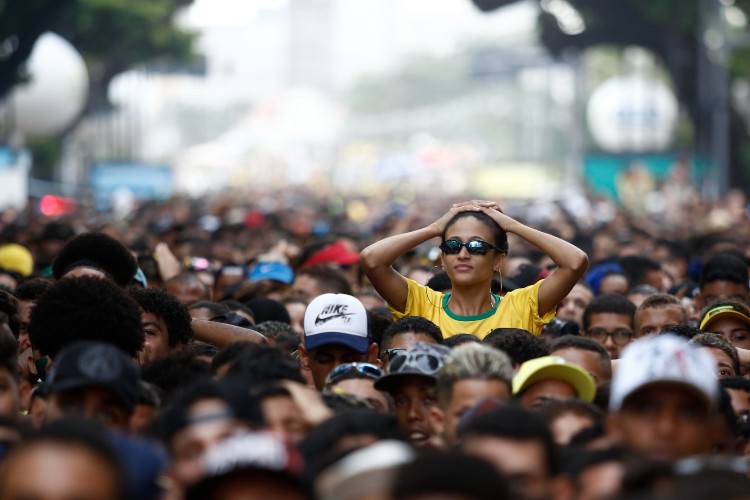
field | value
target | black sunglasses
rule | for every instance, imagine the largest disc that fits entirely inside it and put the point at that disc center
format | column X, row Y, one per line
column 474, row 247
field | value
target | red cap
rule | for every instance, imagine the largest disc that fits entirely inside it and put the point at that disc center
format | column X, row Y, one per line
column 335, row 253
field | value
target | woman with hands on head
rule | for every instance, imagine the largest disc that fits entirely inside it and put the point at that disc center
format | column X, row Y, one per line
column 474, row 247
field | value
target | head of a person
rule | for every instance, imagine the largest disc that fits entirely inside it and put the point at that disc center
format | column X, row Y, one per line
column 614, row 282
column 571, row 307
column 520, row 345
column 94, row 380
column 642, row 271
column 28, row 293
column 166, row 322
column 568, row 417
column 674, row 258
column 434, row 475
column 608, row 319
column 253, row 466
column 551, row 378
column 723, row 278
column 520, row 446
column 725, row 354
column 411, row 382
column 66, row 459
column 404, row 333
column 474, row 247
column 639, row 293
column 591, row 473
column 658, row 311
column 335, row 333
column 86, row 308
column 358, row 379
column 586, row 353
column 97, row 255
column 280, row 335
column 264, row 364
column 320, row 279
column 472, row 373
column 731, row 320
column 188, row 288
column 281, row 412
column 663, row 397
column 738, row 389
column 296, row 306
column 206, row 310
column 16, row 263
column 200, row 417
column 265, row 309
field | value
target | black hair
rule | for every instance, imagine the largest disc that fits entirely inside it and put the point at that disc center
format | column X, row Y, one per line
column 148, row 394
column 202, row 348
column 284, row 337
column 499, row 236
column 556, row 408
column 268, row 310
column 236, row 305
column 99, row 251
column 711, row 340
column 737, row 383
column 659, row 300
column 518, row 344
column 328, row 278
column 440, row 282
column 409, row 324
column 584, row 344
column 75, row 432
column 230, row 353
column 234, row 393
column 263, row 365
column 724, row 267
column 608, row 303
column 167, row 307
column 516, row 423
column 377, row 324
column 436, row 473
column 86, row 308
column 576, row 459
column 636, row 268
column 321, row 447
column 587, row 434
column 676, row 249
column 9, row 312
column 33, row 288
column 214, row 307
column 177, row 370
column 460, row 338
column 682, row 330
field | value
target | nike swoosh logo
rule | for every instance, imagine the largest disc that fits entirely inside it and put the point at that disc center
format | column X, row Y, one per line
column 324, row 318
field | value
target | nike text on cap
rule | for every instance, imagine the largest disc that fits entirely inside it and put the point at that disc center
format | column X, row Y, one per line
column 336, row 318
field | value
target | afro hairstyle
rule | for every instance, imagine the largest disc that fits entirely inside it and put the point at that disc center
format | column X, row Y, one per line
column 85, row 308
column 166, row 306
column 98, row 251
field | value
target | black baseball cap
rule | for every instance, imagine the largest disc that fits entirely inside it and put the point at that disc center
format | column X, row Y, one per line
column 94, row 364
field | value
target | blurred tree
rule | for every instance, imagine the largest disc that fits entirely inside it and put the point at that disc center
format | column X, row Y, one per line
column 111, row 35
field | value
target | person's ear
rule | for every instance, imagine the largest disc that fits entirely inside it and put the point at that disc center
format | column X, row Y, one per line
column 304, row 357
column 372, row 355
column 500, row 262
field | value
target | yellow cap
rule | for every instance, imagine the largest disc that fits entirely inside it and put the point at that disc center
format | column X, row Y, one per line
column 556, row 368
column 722, row 311
column 17, row 258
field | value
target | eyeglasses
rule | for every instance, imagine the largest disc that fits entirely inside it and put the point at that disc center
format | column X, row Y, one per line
column 392, row 353
column 474, row 247
column 366, row 370
column 424, row 362
column 620, row 336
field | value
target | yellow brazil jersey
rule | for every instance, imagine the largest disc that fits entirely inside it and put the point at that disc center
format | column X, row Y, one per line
column 517, row 309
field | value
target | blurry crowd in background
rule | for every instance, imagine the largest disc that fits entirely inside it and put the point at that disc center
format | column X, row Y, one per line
column 184, row 350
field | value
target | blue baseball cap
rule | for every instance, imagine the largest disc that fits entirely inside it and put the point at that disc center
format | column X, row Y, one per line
column 272, row 271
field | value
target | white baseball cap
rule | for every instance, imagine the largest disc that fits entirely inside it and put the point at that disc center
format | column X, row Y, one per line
column 336, row 318
column 664, row 358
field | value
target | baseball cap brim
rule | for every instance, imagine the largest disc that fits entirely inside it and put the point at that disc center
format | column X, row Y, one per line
column 723, row 315
column 71, row 383
column 358, row 343
column 577, row 377
column 389, row 383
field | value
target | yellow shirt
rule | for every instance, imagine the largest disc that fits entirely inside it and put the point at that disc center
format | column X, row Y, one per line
column 517, row 309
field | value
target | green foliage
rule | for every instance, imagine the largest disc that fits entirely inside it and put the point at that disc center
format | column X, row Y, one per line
column 46, row 154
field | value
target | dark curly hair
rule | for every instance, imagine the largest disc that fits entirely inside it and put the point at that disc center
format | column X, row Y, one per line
column 32, row 289
column 518, row 344
column 86, row 308
column 9, row 309
column 166, row 306
column 99, row 251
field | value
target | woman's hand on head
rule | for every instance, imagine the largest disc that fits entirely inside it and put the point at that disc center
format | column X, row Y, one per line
column 506, row 223
column 438, row 227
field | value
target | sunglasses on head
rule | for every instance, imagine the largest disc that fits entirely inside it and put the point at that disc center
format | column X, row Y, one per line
column 426, row 363
column 361, row 370
column 474, row 247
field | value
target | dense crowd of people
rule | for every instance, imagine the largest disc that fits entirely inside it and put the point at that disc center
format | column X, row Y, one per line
column 306, row 346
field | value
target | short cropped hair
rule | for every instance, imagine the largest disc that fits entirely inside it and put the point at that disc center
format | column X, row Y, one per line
column 409, row 324
column 661, row 300
column 715, row 341
column 608, row 303
column 472, row 360
column 724, row 267
column 584, row 344
column 519, row 344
